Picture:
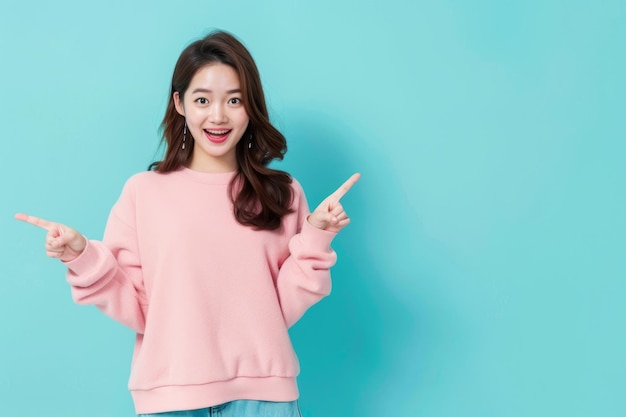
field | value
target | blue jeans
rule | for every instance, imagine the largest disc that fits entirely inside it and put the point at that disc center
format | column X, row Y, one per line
column 239, row 408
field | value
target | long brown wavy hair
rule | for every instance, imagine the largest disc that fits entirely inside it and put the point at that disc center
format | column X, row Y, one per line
column 261, row 196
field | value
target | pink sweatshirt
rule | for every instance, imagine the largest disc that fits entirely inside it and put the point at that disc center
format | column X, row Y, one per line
column 210, row 300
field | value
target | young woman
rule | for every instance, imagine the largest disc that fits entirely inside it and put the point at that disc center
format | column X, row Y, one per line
column 210, row 256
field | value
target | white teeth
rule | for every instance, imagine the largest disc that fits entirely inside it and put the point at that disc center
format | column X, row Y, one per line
column 217, row 132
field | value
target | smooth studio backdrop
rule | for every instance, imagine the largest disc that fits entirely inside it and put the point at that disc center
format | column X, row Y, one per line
column 484, row 271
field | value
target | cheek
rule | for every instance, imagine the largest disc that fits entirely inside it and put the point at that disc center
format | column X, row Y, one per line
column 243, row 119
column 194, row 116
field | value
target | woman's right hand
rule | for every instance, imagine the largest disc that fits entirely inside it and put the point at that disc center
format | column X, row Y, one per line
column 62, row 242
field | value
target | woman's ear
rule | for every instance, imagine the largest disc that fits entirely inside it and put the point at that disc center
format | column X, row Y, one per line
column 178, row 103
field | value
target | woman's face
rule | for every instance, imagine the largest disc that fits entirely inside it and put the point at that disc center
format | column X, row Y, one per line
column 216, row 117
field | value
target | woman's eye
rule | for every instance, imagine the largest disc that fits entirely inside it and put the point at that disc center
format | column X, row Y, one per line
column 202, row 100
column 235, row 101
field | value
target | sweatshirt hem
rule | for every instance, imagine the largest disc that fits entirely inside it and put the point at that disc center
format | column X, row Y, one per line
column 191, row 397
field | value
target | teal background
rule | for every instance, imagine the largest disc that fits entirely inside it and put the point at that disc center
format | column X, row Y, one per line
column 483, row 274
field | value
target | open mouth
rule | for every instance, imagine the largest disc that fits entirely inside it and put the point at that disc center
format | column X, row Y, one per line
column 217, row 136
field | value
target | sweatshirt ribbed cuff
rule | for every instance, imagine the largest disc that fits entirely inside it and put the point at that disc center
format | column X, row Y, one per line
column 82, row 271
column 315, row 237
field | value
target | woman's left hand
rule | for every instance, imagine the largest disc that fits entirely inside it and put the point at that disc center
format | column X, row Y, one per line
column 330, row 215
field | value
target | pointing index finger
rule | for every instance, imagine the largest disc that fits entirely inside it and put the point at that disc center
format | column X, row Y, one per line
column 35, row 221
column 345, row 187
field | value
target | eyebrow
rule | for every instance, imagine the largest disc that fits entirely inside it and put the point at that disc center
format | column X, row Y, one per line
column 204, row 90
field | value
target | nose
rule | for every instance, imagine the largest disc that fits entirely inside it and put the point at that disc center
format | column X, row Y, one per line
column 217, row 114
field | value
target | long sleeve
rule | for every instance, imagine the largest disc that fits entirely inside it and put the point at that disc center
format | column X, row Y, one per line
column 108, row 274
column 304, row 277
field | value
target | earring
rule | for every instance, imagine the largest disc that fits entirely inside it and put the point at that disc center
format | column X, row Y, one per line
column 184, row 135
column 250, row 142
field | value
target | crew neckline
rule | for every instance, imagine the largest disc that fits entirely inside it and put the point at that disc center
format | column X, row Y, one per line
column 208, row 177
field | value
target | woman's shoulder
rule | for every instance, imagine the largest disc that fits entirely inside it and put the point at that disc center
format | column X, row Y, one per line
column 295, row 184
column 298, row 195
column 145, row 178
